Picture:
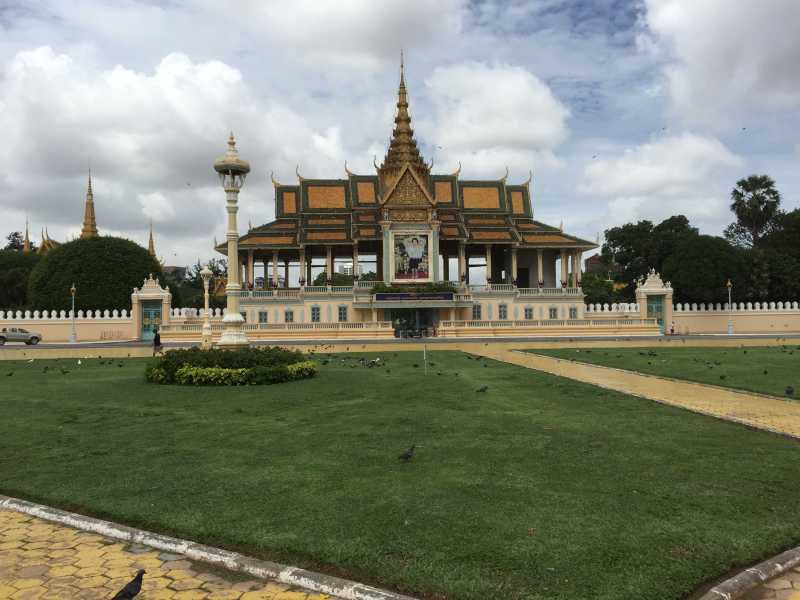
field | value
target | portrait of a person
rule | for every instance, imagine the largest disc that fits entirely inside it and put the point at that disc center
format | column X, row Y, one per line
column 411, row 257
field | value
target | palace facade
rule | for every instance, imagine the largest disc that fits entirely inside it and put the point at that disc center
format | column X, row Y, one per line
column 448, row 252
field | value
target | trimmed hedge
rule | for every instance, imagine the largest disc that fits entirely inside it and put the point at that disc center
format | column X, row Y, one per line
column 245, row 366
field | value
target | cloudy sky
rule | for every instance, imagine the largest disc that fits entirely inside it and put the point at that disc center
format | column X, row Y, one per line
column 623, row 109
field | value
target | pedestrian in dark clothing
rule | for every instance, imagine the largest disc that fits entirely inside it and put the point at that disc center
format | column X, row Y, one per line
column 156, row 342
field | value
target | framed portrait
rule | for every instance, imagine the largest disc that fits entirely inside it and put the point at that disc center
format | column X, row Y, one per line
column 411, row 261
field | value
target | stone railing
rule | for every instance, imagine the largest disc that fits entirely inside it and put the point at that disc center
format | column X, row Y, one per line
column 55, row 315
column 553, row 323
column 622, row 307
column 735, row 307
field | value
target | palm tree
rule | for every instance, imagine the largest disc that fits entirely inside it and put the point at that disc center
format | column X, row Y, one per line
column 756, row 203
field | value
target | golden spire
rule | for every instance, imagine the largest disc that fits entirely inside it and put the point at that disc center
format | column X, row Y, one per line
column 151, row 247
column 89, row 223
column 26, row 244
column 402, row 145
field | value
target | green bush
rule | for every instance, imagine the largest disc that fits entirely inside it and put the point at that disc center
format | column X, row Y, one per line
column 240, row 358
column 302, row 370
column 188, row 375
column 15, row 270
column 267, row 375
column 245, row 366
column 104, row 270
column 406, row 288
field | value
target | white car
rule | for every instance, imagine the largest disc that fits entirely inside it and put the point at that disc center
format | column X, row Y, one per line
column 18, row 334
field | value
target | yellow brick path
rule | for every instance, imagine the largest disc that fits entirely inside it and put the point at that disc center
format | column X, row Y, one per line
column 40, row 560
column 763, row 412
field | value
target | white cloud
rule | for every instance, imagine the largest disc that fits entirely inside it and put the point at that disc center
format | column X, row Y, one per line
column 726, row 58
column 681, row 174
column 488, row 117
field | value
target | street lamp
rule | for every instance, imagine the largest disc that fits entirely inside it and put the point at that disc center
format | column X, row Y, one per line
column 206, row 274
column 73, row 338
column 729, row 285
column 232, row 171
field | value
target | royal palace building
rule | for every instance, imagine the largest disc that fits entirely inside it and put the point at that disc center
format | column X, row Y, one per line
column 428, row 252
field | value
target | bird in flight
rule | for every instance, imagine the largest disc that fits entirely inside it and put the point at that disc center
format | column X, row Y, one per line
column 132, row 588
column 408, row 454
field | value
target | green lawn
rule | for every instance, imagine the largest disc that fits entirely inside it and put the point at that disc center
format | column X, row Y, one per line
column 539, row 488
column 766, row 370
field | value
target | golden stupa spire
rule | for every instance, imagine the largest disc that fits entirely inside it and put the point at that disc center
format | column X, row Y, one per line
column 402, row 145
column 151, row 246
column 26, row 244
column 89, row 222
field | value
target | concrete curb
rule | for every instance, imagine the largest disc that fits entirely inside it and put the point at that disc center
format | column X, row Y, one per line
column 317, row 582
column 739, row 584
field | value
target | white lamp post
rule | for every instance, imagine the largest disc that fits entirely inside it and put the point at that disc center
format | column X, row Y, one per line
column 206, row 274
column 729, row 285
column 73, row 337
column 232, row 171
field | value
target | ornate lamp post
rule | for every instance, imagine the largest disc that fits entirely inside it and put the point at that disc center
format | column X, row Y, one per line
column 206, row 274
column 232, row 171
column 73, row 337
column 729, row 285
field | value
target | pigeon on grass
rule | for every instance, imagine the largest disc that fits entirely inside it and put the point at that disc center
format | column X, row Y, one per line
column 482, row 389
column 408, row 454
column 132, row 588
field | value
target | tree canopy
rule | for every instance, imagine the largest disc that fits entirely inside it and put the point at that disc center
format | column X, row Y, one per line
column 15, row 270
column 755, row 201
column 104, row 270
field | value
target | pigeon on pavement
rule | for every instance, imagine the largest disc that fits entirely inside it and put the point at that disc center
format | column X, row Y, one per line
column 132, row 588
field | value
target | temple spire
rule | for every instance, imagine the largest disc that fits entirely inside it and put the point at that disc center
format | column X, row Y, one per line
column 402, row 145
column 26, row 244
column 151, row 246
column 89, row 222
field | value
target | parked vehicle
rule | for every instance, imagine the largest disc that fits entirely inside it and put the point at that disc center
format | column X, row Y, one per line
column 18, row 334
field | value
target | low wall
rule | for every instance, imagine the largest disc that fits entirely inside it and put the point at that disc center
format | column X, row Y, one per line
column 190, row 331
column 56, row 326
column 576, row 327
column 715, row 320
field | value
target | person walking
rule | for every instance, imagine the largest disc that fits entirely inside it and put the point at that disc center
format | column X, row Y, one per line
column 156, row 342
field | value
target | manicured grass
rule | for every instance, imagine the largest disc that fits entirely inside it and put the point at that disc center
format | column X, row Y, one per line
column 766, row 370
column 539, row 488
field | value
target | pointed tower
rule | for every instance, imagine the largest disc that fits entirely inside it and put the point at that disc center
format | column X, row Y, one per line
column 26, row 244
column 151, row 247
column 402, row 146
column 89, row 223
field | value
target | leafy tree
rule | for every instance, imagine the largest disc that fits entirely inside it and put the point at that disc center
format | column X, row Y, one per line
column 756, row 203
column 784, row 276
column 638, row 247
column 104, row 269
column 15, row 270
column 700, row 267
column 599, row 290
column 341, row 279
column 16, row 241
column 785, row 235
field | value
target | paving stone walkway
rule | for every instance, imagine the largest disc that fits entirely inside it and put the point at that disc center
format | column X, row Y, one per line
column 783, row 587
column 763, row 412
column 40, row 560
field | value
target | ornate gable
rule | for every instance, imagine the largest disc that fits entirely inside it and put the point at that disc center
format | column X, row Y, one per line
column 408, row 191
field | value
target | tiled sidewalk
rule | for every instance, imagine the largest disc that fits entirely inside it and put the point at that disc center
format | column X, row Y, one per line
column 41, row 560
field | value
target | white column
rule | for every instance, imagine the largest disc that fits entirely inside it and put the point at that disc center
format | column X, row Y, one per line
column 462, row 262
column 514, row 265
column 303, row 267
column 564, row 273
column 250, row 268
column 275, row 268
column 578, row 268
column 539, row 267
column 329, row 264
column 488, row 262
column 355, row 259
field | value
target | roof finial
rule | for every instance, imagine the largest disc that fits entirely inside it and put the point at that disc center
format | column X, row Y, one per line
column 402, row 69
column 26, row 244
column 151, row 247
column 89, row 228
column 530, row 177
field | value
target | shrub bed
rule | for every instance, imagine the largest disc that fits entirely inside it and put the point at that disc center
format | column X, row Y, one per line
column 245, row 366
